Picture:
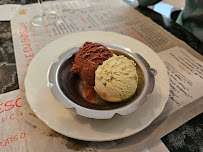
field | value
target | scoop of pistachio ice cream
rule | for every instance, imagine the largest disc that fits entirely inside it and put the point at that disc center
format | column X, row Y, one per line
column 116, row 79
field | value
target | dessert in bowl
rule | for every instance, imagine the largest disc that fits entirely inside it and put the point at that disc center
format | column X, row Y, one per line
column 76, row 89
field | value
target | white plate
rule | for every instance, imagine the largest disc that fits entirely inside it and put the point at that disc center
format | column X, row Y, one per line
column 66, row 121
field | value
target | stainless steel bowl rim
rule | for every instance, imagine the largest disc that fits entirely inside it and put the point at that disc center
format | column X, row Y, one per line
column 101, row 114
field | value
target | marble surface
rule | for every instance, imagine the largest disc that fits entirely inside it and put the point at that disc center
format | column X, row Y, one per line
column 8, row 71
column 188, row 137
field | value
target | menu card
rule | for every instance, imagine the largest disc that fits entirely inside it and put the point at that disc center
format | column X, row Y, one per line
column 22, row 131
column 7, row 12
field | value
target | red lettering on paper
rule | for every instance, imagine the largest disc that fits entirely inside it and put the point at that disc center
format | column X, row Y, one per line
column 9, row 105
column 12, row 139
column 6, row 105
column 7, row 142
column 25, row 43
column 1, row 144
column 11, row 117
column 184, row 69
column 17, row 103
column 27, row 48
column 1, row 108
column 22, row 135
column 134, row 34
column 15, row 137
column 29, row 57
column 23, row 30
column 25, row 40
column 82, row 18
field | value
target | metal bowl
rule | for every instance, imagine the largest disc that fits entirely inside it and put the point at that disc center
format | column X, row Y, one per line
column 67, row 87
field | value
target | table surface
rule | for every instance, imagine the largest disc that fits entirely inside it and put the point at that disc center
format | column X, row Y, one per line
column 168, row 24
column 171, row 26
column 164, row 22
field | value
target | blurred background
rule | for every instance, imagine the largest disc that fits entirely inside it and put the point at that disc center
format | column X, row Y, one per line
column 168, row 8
column 165, row 7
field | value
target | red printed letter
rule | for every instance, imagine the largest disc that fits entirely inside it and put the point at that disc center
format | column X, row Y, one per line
column 1, row 144
column 11, row 139
column 24, row 39
column 7, row 142
column 23, row 135
column 6, row 105
column 29, row 56
column 12, row 118
column 15, row 137
column 0, row 108
column 17, row 103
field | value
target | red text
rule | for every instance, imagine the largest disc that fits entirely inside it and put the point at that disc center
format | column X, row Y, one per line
column 27, row 49
column 8, row 105
column 12, row 139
